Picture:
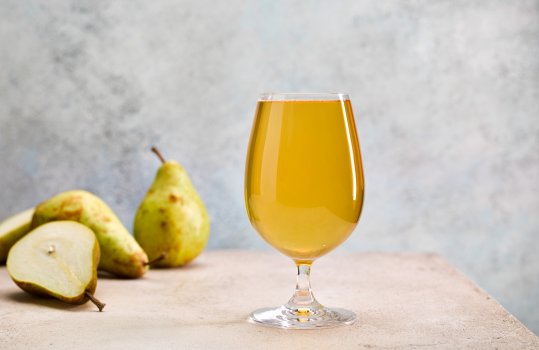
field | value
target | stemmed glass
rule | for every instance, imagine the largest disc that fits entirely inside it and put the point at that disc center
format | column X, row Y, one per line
column 304, row 192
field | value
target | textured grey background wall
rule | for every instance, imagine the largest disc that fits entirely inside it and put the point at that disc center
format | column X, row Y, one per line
column 446, row 95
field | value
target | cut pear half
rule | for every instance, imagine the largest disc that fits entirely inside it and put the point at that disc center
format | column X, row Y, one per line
column 58, row 259
column 12, row 229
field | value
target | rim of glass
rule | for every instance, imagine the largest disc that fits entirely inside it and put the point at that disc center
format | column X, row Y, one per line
column 308, row 96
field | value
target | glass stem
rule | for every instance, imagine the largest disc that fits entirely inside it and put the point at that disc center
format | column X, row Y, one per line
column 303, row 300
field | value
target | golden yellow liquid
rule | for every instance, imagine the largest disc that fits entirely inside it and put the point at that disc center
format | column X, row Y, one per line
column 304, row 179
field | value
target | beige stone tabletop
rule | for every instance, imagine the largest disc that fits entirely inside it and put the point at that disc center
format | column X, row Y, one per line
column 403, row 301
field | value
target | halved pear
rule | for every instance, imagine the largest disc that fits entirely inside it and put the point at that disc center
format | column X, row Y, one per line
column 12, row 229
column 58, row 259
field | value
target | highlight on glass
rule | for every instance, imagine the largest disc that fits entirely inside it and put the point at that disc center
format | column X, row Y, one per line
column 304, row 192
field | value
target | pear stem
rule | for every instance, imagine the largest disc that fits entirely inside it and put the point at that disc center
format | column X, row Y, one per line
column 156, row 151
column 94, row 300
column 159, row 258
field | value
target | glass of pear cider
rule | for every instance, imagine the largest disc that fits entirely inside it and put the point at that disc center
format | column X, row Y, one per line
column 304, row 192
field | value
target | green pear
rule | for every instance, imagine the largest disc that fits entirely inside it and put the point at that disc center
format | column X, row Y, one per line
column 12, row 229
column 172, row 221
column 58, row 259
column 120, row 253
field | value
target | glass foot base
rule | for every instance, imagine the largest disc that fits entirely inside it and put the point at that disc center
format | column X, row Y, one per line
column 283, row 317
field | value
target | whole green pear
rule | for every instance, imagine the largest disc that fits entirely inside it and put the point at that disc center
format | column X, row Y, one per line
column 172, row 221
column 120, row 253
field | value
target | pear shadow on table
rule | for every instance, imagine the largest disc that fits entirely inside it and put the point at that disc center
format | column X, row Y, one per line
column 195, row 265
column 109, row 276
column 23, row 297
column 191, row 266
